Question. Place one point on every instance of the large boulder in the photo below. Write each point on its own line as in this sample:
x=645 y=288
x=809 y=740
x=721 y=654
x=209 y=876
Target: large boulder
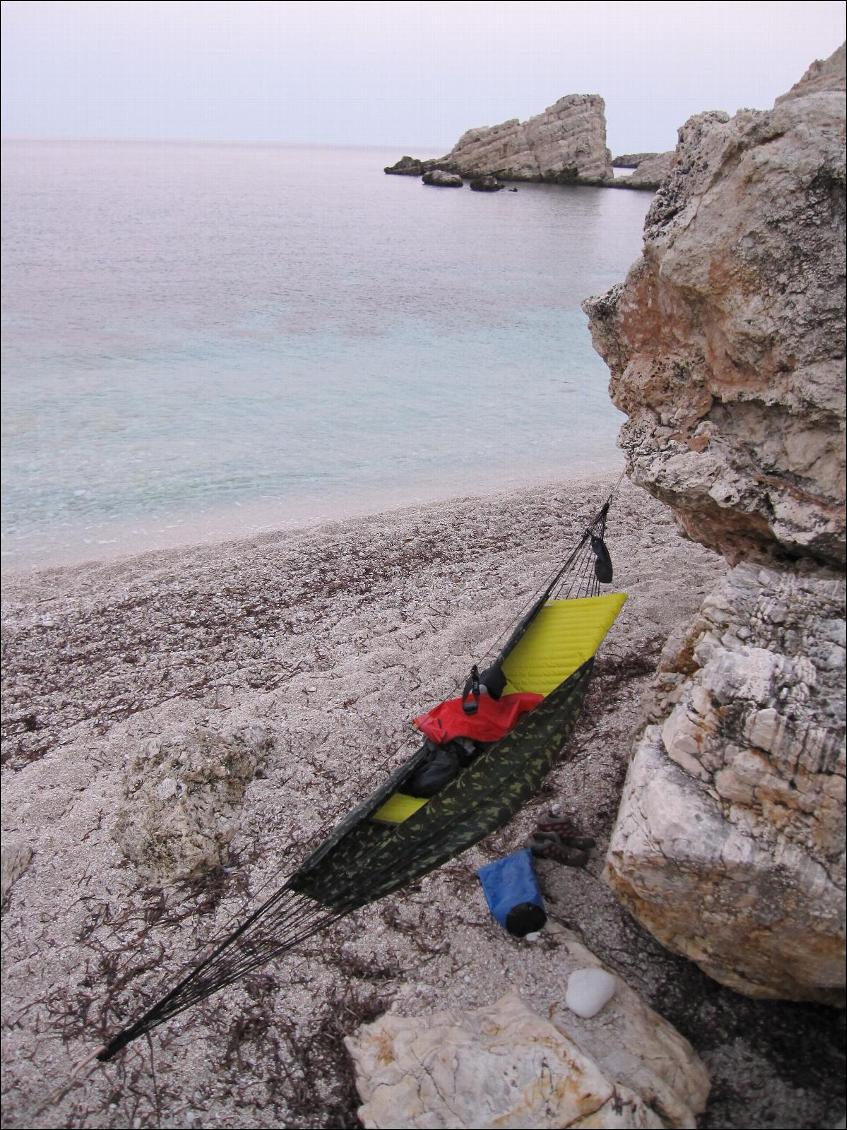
x=564 y=144
x=726 y=341
x=488 y=183
x=407 y=167
x=504 y=1065
x=650 y=172
x=630 y=160
x=726 y=350
x=729 y=839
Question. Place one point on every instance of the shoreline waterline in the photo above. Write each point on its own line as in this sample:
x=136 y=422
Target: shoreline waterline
x=244 y=521
x=195 y=335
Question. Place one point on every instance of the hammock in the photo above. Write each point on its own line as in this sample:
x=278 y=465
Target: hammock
x=393 y=837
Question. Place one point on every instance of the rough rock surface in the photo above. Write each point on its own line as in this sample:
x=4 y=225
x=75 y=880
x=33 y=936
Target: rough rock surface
x=441 y=178
x=650 y=172
x=503 y=1065
x=488 y=183
x=628 y=160
x=408 y=167
x=726 y=350
x=566 y=143
x=183 y=796
x=725 y=342
x=822 y=75
x=729 y=841
x=15 y=859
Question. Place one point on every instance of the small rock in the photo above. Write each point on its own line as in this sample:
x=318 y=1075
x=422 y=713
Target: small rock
x=589 y=990
x=16 y=859
x=182 y=798
x=488 y=183
x=440 y=179
x=166 y=788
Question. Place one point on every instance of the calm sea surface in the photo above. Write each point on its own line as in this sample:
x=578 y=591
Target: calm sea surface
x=201 y=340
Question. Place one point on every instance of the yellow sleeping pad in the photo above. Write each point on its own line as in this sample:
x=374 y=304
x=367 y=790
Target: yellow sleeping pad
x=563 y=635
x=398 y=808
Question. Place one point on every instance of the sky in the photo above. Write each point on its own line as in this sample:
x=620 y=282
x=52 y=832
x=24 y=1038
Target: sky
x=402 y=74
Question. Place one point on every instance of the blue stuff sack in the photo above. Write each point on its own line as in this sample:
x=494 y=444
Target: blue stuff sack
x=512 y=892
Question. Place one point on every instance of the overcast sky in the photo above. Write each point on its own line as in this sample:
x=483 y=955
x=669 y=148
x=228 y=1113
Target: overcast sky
x=409 y=75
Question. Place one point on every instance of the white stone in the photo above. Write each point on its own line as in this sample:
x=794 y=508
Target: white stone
x=589 y=990
x=166 y=788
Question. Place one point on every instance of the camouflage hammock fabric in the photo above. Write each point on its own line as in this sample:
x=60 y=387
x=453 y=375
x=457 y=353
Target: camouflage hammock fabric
x=366 y=858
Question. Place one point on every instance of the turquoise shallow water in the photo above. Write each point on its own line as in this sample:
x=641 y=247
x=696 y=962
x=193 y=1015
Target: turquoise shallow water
x=193 y=331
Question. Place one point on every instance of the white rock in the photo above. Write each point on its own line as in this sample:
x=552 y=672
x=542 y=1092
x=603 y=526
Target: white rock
x=166 y=788
x=505 y=1066
x=501 y=1066
x=738 y=797
x=589 y=990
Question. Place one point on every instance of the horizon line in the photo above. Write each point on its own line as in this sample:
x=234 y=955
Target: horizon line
x=77 y=140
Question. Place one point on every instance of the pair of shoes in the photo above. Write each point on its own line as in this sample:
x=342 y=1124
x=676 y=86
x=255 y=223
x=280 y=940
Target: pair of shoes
x=567 y=832
x=550 y=845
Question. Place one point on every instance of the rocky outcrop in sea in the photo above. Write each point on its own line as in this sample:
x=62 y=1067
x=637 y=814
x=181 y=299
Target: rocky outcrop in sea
x=631 y=160
x=439 y=178
x=726 y=350
x=563 y=145
x=649 y=172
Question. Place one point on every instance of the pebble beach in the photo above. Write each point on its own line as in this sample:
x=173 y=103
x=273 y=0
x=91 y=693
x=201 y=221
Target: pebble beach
x=330 y=639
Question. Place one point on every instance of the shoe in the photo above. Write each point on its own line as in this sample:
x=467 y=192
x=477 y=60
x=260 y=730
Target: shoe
x=547 y=845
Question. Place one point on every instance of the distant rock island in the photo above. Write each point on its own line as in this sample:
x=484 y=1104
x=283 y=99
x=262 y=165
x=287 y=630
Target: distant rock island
x=631 y=160
x=649 y=169
x=566 y=144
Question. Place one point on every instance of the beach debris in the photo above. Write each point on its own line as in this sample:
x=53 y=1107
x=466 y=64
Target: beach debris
x=513 y=895
x=15 y=859
x=560 y=838
x=589 y=991
x=183 y=794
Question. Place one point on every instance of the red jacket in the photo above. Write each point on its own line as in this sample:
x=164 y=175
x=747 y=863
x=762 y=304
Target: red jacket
x=492 y=721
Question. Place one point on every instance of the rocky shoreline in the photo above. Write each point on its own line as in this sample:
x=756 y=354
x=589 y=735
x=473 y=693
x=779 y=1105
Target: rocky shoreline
x=736 y=419
x=314 y=648
x=566 y=144
x=176 y=724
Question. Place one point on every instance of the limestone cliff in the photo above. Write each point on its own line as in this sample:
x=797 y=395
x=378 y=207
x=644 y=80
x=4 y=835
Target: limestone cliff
x=566 y=143
x=726 y=350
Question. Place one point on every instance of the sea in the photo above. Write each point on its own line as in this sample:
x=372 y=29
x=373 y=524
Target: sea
x=203 y=341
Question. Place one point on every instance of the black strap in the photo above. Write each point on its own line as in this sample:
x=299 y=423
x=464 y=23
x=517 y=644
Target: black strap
x=470 y=695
